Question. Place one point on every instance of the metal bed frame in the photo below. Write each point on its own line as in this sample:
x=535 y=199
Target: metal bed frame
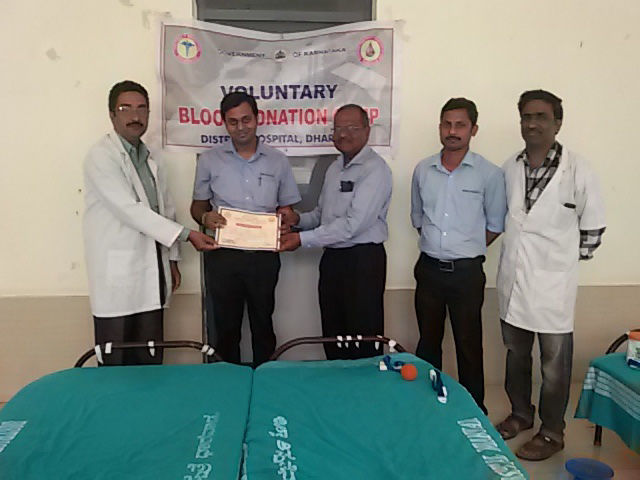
x=346 y=339
x=98 y=350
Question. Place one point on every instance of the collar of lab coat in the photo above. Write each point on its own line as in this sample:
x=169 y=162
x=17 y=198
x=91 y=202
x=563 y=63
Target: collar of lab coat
x=130 y=172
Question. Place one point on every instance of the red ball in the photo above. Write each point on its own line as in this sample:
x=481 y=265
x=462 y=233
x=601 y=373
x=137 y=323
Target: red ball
x=409 y=371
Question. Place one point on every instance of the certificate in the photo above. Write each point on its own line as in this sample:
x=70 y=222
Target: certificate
x=249 y=230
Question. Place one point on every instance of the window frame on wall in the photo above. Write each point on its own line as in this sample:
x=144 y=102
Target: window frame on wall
x=284 y=16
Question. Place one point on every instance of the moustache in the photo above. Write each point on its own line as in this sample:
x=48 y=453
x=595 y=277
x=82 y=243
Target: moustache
x=451 y=137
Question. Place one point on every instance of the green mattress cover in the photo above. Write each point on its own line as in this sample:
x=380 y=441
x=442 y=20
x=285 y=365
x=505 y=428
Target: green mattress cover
x=349 y=420
x=182 y=422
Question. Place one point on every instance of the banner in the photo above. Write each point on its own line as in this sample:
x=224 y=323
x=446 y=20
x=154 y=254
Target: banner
x=298 y=80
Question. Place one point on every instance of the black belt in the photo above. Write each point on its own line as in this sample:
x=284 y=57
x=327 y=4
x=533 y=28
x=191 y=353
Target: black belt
x=357 y=245
x=453 y=265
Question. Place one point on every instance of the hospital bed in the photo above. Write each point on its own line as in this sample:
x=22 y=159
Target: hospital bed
x=342 y=419
x=348 y=419
x=183 y=422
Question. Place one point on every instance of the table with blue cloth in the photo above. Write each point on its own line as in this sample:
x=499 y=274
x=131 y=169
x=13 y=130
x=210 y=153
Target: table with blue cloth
x=611 y=397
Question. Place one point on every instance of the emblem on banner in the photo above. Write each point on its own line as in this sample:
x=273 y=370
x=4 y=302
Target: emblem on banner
x=186 y=48
x=370 y=50
x=280 y=55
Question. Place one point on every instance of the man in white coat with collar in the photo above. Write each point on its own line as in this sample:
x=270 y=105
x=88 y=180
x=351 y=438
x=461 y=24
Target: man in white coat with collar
x=130 y=234
x=555 y=218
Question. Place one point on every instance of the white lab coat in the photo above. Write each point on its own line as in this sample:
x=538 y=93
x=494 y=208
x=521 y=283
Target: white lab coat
x=121 y=230
x=538 y=271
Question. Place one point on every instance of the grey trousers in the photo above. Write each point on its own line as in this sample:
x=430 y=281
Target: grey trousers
x=556 y=353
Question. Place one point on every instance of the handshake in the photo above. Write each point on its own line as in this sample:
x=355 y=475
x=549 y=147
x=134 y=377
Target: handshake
x=289 y=240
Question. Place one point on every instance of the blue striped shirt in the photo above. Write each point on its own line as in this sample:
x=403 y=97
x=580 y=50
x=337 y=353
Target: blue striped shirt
x=453 y=210
x=353 y=204
x=260 y=184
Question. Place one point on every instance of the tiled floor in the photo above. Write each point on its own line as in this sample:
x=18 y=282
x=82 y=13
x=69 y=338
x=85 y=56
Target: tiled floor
x=578 y=442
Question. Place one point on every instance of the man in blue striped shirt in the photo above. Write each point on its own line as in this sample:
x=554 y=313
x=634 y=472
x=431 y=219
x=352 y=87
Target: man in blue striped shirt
x=246 y=174
x=350 y=222
x=458 y=206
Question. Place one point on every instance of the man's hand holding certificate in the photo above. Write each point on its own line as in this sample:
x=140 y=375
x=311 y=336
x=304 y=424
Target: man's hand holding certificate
x=249 y=230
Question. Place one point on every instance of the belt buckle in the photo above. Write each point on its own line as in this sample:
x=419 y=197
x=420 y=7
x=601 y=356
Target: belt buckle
x=446 y=265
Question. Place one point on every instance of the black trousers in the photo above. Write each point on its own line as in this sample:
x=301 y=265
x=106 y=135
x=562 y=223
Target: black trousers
x=351 y=289
x=458 y=287
x=137 y=327
x=236 y=277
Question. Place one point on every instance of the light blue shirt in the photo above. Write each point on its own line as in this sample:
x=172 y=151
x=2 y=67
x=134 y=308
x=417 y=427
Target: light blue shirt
x=347 y=218
x=260 y=184
x=454 y=209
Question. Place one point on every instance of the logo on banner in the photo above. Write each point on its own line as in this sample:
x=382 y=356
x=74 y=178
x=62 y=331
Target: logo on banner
x=186 y=48
x=370 y=50
x=280 y=55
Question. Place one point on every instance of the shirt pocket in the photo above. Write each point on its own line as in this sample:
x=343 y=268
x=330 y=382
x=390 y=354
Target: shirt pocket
x=267 y=195
x=340 y=197
x=470 y=207
x=564 y=215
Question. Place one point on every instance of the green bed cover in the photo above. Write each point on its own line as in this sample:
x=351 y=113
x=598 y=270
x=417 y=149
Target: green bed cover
x=349 y=420
x=179 y=422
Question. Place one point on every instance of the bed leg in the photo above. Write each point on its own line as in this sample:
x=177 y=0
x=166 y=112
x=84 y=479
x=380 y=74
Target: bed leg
x=597 y=437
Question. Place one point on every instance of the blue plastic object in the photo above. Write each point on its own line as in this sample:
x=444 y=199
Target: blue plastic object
x=588 y=469
x=393 y=365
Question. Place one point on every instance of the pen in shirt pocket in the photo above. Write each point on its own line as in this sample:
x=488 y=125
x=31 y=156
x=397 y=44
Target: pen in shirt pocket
x=262 y=174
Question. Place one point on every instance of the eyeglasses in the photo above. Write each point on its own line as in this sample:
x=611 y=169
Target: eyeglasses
x=347 y=129
x=140 y=110
x=537 y=118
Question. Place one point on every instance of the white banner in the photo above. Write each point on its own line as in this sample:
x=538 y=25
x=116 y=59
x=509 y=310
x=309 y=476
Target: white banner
x=298 y=80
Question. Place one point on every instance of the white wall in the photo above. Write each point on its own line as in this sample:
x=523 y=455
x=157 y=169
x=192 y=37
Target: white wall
x=60 y=59
x=585 y=51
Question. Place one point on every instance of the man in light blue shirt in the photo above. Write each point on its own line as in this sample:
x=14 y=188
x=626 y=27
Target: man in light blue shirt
x=458 y=205
x=350 y=222
x=248 y=175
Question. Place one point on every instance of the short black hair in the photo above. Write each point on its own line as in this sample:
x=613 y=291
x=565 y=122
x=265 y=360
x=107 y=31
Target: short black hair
x=125 y=86
x=363 y=112
x=458 y=103
x=548 y=97
x=234 y=99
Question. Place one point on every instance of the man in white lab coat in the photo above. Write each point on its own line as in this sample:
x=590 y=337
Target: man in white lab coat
x=130 y=233
x=555 y=218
